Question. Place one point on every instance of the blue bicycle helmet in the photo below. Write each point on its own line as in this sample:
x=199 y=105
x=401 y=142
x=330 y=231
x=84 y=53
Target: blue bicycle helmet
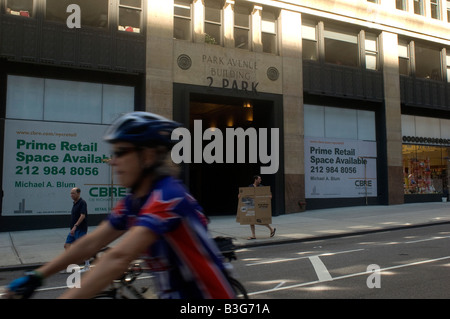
x=143 y=129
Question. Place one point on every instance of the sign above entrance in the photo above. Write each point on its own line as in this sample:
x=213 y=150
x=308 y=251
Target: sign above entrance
x=234 y=69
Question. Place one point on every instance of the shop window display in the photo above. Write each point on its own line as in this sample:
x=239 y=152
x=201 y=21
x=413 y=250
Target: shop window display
x=425 y=169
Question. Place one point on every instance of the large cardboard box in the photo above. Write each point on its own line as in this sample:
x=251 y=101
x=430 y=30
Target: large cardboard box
x=254 y=206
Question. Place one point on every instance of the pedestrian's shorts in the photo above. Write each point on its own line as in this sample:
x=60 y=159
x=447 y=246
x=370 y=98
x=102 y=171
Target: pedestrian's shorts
x=71 y=238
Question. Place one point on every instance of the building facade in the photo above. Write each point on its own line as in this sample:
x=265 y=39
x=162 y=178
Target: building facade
x=345 y=102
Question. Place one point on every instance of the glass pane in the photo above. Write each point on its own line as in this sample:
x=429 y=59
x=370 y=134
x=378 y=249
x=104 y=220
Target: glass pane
x=182 y=10
x=268 y=26
x=241 y=38
x=341 y=53
x=341 y=36
x=129 y=20
x=309 y=32
x=242 y=20
x=366 y=125
x=23 y=92
x=309 y=50
x=55 y=10
x=213 y=14
x=130 y=3
x=314 y=123
x=403 y=50
x=182 y=29
x=371 y=62
x=371 y=43
x=428 y=63
x=418 y=7
x=22 y=8
x=400 y=4
x=212 y=33
x=434 y=9
x=117 y=100
x=424 y=169
x=403 y=66
x=341 y=123
x=269 y=43
x=77 y=101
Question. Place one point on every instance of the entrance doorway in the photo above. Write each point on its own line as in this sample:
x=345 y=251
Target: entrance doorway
x=216 y=185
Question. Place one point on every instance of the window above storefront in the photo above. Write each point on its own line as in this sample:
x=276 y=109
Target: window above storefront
x=31 y=98
x=94 y=13
x=23 y=8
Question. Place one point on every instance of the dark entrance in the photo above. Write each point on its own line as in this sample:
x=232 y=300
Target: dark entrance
x=216 y=185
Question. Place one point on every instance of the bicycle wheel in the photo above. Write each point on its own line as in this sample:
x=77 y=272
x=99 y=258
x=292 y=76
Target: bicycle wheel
x=106 y=294
x=238 y=288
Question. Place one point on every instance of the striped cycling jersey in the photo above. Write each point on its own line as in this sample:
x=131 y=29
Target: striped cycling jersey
x=185 y=260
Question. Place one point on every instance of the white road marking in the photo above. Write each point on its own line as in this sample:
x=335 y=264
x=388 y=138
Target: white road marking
x=347 y=276
x=321 y=270
x=273 y=261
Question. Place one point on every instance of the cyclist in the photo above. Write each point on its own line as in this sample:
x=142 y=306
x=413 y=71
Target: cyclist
x=158 y=217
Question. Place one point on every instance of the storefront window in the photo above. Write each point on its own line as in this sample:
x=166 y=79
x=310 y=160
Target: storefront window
x=22 y=8
x=425 y=169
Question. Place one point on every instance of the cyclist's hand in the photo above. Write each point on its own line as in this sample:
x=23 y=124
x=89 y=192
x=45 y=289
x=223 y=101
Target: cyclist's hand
x=23 y=288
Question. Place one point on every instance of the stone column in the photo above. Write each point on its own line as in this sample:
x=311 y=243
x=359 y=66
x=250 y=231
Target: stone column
x=159 y=74
x=392 y=104
x=291 y=51
x=228 y=24
x=256 y=29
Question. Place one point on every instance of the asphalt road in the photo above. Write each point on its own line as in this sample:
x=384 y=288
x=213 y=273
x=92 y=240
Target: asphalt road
x=410 y=263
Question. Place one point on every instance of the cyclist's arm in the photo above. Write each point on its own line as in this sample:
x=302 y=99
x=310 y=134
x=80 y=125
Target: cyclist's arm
x=82 y=249
x=114 y=262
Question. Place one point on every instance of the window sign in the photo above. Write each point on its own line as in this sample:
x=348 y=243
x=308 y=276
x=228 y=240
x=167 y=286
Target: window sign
x=44 y=160
x=340 y=168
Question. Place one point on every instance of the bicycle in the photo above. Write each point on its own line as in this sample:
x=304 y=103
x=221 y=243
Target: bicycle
x=124 y=287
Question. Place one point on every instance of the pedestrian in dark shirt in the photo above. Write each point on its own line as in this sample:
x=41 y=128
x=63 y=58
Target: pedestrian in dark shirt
x=78 y=221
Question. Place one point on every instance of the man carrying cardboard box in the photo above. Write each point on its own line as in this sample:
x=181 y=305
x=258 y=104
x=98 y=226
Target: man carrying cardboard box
x=255 y=206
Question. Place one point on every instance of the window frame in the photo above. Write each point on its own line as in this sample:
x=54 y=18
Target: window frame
x=435 y=9
x=214 y=23
x=368 y=52
x=419 y=7
x=406 y=58
x=245 y=11
x=127 y=29
x=315 y=41
x=22 y=13
x=181 y=4
x=346 y=33
x=274 y=34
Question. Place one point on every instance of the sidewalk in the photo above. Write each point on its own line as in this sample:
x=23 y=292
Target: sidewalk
x=24 y=249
